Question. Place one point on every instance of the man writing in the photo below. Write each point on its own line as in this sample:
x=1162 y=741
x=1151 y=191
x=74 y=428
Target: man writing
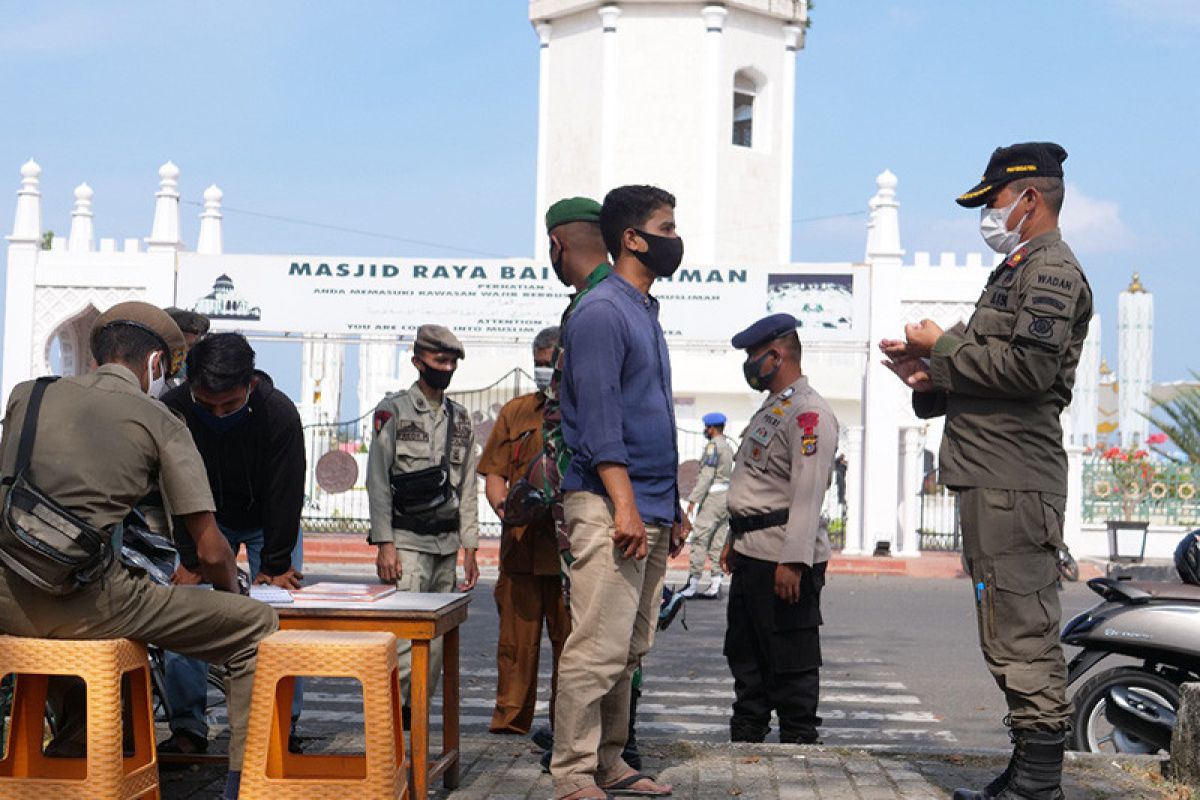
x=1002 y=383
x=251 y=440
x=621 y=493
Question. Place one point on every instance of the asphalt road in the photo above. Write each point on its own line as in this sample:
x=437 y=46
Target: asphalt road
x=902 y=668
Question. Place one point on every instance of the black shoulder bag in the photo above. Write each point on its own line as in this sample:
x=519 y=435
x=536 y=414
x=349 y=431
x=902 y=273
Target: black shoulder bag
x=40 y=541
x=417 y=495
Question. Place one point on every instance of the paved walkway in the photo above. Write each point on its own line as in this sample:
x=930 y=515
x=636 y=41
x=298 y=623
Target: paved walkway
x=507 y=769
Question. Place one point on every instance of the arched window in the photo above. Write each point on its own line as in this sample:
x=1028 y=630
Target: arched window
x=745 y=90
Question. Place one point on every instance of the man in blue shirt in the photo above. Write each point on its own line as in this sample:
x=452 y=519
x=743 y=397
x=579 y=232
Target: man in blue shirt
x=621 y=493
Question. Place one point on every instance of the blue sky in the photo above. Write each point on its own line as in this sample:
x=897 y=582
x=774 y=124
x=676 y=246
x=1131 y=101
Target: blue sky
x=418 y=120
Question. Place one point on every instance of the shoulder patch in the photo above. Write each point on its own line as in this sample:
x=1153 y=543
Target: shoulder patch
x=808 y=421
x=381 y=419
x=808 y=444
x=1041 y=327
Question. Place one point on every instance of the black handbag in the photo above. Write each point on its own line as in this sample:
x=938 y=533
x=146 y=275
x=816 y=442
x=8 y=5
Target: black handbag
x=42 y=542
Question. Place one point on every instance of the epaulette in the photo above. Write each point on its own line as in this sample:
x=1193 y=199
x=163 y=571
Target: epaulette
x=1016 y=259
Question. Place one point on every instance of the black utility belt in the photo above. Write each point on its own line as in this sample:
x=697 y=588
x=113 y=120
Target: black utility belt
x=425 y=526
x=757 y=522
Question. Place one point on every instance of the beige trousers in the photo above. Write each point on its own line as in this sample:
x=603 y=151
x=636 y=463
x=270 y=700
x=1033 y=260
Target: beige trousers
x=217 y=627
x=423 y=572
x=614 y=614
x=708 y=538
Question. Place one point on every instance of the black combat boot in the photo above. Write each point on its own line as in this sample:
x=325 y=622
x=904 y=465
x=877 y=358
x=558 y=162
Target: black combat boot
x=1033 y=773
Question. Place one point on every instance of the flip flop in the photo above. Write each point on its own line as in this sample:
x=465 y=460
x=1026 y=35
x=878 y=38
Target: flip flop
x=624 y=787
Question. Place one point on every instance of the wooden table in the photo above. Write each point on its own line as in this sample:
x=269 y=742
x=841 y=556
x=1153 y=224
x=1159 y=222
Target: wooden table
x=421 y=618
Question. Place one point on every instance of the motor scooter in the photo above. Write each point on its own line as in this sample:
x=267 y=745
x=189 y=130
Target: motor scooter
x=1131 y=708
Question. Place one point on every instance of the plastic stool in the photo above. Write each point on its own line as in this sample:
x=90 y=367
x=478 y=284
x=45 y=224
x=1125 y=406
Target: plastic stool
x=27 y=774
x=271 y=772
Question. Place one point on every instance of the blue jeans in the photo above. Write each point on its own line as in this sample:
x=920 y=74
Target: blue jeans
x=186 y=678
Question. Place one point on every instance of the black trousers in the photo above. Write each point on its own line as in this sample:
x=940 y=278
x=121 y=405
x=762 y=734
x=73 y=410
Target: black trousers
x=774 y=652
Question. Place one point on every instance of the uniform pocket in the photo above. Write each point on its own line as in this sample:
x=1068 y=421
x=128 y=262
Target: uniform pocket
x=1024 y=573
x=990 y=322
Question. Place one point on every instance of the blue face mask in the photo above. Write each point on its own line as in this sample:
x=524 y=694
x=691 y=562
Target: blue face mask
x=221 y=424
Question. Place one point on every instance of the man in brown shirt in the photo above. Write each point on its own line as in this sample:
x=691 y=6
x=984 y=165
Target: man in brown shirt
x=529 y=588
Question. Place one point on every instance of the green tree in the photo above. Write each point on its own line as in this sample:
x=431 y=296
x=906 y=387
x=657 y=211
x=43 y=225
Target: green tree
x=1179 y=419
x=47 y=238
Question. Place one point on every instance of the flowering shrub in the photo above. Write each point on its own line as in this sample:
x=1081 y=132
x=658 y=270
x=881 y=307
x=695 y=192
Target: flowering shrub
x=1133 y=472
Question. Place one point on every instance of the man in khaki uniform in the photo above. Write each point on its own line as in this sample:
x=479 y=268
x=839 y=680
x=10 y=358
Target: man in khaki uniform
x=101 y=445
x=712 y=524
x=1002 y=383
x=529 y=588
x=418 y=520
x=778 y=549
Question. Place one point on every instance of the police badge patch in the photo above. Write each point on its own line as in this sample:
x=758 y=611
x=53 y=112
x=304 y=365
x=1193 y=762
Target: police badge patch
x=808 y=422
x=1041 y=327
x=808 y=444
x=381 y=419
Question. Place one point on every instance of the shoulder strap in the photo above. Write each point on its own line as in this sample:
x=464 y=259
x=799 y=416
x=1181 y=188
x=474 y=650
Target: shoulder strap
x=29 y=427
x=450 y=415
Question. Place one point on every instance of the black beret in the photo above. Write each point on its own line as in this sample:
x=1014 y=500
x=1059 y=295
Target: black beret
x=767 y=329
x=1008 y=164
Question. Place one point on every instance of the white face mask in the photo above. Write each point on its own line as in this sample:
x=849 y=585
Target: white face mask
x=542 y=377
x=159 y=383
x=993 y=226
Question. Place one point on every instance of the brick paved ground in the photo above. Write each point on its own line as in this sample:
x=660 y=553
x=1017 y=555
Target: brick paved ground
x=507 y=769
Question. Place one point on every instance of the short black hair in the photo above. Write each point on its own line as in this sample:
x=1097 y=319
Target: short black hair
x=791 y=343
x=220 y=362
x=629 y=207
x=127 y=344
x=1052 y=189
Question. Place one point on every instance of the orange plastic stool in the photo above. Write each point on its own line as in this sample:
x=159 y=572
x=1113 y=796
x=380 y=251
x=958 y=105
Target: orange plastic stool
x=27 y=774
x=271 y=772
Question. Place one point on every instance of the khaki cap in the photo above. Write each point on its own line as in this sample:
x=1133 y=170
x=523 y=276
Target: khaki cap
x=151 y=319
x=438 y=338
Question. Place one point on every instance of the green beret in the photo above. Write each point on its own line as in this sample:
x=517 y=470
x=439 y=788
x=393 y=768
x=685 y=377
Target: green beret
x=572 y=209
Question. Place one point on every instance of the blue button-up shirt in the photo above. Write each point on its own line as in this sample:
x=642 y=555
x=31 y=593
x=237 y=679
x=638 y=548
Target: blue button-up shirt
x=617 y=405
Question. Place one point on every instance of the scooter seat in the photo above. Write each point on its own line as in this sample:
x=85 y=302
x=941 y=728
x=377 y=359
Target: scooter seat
x=1169 y=591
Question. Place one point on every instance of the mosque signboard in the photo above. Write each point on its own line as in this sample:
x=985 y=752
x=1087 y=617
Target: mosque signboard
x=500 y=300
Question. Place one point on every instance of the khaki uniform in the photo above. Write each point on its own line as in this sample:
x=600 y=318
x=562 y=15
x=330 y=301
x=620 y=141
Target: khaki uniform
x=785 y=464
x=711 y=527
x=102 y=445
x=1002 y=385
x=410 y=435
x=529 y=589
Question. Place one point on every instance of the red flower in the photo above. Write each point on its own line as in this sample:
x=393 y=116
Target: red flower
x=1156 y=438
x=1113 y=452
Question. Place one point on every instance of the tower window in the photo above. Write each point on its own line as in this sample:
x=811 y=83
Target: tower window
x=745 y=89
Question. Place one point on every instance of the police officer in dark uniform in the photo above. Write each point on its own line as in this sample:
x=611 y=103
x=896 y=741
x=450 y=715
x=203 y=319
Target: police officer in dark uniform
x=1002 y=383
x=778 y=549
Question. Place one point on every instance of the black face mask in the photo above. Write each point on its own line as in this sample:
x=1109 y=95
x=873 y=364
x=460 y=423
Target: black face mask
x=557 y=264
x=753 y=366
x=436 y=378
x=664 y=256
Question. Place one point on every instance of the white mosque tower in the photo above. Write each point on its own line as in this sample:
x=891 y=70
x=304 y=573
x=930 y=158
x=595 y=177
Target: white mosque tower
x=1135 y=342
x=695 y=97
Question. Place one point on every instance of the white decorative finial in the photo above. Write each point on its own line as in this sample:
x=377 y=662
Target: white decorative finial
x=27 y=224
x=544 y=29
x=82 y=234
x=210 y=241
x=164 y=234
x=883 y=230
